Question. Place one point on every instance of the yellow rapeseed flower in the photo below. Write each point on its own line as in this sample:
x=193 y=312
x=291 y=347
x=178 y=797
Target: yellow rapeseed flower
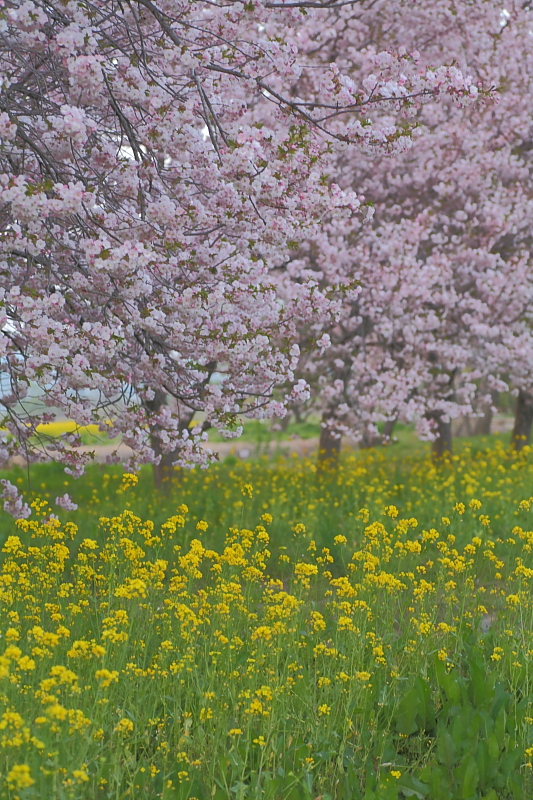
x=124 y=726
x=106 y=677
x=19 y=777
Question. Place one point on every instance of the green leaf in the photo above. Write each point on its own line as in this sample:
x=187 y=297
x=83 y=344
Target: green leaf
x=475 y=723
x=481 y=686
x=439 y=785
x=446 y=750
x=448 y=681
x=412 y=787
x=387 y=788
x=406 y=713
x=499 y=727
x=510 y=761
x=426 y=711
x=501 y=700
x=271 y=788
x=494 y=747
x=468 y=775
x=459 y=728
x=483 y=763
x=516 y=785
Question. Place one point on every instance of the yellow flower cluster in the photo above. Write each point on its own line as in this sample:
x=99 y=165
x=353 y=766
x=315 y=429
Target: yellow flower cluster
x=135 y=657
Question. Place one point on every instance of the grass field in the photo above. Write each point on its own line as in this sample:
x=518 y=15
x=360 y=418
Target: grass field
x=264 y=632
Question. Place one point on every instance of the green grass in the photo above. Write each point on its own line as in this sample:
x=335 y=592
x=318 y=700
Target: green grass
x=288 y=487
x=259 y=432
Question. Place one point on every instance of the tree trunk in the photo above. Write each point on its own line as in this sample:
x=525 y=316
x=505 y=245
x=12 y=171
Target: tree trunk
x=388 y=429
x=368 y=441
x=329 y=448
x=463 y=427
x=523 y=421
x=442 y=446
x=483 y=424
x=281 y=424
x=164 y=473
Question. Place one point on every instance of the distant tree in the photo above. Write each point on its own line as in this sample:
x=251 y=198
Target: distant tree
x=442 y=318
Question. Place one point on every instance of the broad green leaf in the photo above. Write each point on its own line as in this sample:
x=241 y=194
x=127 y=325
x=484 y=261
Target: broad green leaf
x=511 y=761
x=407 y=712
x=425 y=706
x=501 y=699
x=494 y=746
x=483 y=763
x=446 y=750
x=468 y=776
x=412 y=787
x=480 y=688
x=499 y=727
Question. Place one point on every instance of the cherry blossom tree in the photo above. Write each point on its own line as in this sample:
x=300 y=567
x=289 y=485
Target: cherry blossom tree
x=443 y=316
x=159 y=161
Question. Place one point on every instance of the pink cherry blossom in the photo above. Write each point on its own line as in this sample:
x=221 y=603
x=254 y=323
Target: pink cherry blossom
x=66 y=503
